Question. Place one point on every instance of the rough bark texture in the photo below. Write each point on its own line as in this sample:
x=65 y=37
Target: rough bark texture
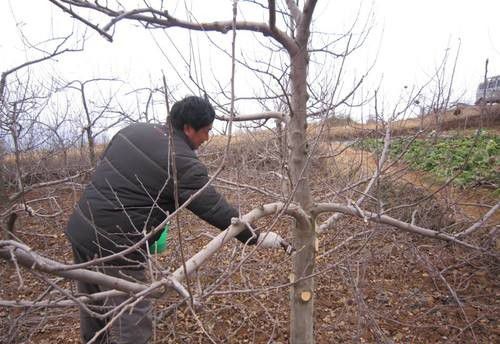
x=88 y=130
x=302 y=292
x=302 y=310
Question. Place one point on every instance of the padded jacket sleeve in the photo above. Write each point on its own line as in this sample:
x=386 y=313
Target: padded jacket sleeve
x=209 y=205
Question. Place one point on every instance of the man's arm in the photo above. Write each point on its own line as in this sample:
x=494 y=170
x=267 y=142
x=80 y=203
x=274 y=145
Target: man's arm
x=210 y=205
x=213 y=207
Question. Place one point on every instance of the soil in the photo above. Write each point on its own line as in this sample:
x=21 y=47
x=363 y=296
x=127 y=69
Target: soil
x=375 y=284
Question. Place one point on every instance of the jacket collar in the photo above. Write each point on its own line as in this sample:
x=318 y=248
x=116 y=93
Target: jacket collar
x=181 y=135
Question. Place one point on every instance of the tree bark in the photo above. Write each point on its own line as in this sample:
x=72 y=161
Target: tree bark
x=88 y=129
x=302 y=292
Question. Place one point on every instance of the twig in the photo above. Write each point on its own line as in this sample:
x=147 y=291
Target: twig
x=83 y=20
x=479 y=223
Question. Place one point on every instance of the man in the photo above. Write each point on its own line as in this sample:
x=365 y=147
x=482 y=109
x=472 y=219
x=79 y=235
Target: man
x=130 y=193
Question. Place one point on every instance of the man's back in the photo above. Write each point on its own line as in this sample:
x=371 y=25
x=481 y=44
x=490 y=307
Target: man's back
x=129 y=191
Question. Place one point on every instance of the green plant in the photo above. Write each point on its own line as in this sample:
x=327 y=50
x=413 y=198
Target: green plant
x=474 y=159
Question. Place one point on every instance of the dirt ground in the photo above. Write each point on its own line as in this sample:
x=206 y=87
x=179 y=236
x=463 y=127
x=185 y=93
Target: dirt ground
x=374 y=284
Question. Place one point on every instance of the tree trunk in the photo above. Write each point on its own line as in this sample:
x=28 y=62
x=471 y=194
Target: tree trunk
x=301 y=293
x=90 y=139
x=88 y=129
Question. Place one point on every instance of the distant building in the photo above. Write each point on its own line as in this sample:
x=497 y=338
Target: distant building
x=489 y=91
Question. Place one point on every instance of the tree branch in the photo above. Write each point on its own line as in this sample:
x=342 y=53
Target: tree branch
x=328 y=224
x=294 y=10
x=165 y=20
x=83 y=20
x=479 y=223
x=236 y=227
x=46 y=184
x=254 y=117
x=385 y=219
x=28 y=258
x=272 y=15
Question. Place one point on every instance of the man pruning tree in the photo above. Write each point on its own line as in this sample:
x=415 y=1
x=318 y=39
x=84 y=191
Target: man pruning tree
x=130 y=194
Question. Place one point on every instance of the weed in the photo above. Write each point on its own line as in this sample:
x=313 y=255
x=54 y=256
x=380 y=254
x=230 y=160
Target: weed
x=474 y=158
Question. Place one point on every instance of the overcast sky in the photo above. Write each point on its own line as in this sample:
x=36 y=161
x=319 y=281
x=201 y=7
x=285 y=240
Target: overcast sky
x=407 y=42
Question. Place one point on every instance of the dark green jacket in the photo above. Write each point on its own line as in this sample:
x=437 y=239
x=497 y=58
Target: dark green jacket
x=132 y=189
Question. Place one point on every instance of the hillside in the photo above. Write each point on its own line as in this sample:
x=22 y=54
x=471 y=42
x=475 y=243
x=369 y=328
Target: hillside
x=461 y=119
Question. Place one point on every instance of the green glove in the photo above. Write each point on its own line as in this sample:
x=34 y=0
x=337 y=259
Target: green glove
x=160 y=245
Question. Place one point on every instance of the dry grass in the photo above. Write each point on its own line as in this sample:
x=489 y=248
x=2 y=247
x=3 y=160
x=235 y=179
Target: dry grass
x=464 y=119
x=461 y=118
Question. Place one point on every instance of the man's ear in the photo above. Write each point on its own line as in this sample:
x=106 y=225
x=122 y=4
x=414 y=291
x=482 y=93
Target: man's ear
x=187 y=129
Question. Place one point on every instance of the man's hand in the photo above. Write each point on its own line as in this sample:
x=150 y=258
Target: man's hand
x=274 y=240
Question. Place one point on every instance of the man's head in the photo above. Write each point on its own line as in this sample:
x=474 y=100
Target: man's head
x=194 y=116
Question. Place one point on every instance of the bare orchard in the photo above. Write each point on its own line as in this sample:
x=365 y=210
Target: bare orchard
x=374 y=283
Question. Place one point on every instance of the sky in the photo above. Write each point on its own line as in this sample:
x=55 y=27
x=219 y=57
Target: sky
x=407 y=43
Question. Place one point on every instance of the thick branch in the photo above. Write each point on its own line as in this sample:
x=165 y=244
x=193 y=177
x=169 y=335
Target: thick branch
x=32 y=260
x=307 y=13
x=26 y=257
x=238 y=225
x=165 y=20
x=384 y=219
x=254 y=117
x=294 y=10
x=305 y=20
x=272 y=14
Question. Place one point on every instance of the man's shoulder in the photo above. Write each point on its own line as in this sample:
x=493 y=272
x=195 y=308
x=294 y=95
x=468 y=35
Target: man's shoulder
x=145 y=127
x=146 y=133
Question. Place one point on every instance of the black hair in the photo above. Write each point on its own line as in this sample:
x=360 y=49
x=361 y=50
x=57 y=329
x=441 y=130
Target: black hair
x=194 y=111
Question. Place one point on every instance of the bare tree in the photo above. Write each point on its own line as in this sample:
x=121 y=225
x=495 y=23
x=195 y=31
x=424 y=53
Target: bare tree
x=294 y=105
x=22 y=101
x=97 y=118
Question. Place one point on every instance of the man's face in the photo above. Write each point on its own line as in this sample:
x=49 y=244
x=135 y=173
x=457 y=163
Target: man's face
x=197 y=137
